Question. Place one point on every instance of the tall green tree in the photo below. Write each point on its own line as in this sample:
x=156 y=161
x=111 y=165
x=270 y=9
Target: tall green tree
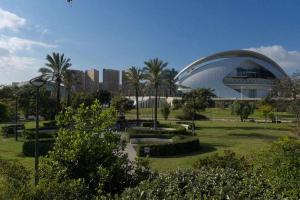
x=56 y=67
x=134 y=76
x=154 y=74
x=169 y=75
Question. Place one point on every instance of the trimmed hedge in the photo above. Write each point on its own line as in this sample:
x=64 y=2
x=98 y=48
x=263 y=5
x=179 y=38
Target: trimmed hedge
x=184 y=146
x=45 y=145
x=31 y=135
x=50 y=124
x=138 y=135
x=149 y=124
x=10 y=129
x=176 y=130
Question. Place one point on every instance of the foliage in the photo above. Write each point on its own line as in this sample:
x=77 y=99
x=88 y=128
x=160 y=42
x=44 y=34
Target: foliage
x=86 y=151
x=71 y=78
x=206 y=183
x=45 y=145
x=5 y=113
x=228 y=160
x=103 y=96
x=30 y=135
x=187 y=145
x=176 y=130
x=198 y=99
x=154 y=74
x=55 y=69
x=281 y=164
x=14 y=180
x=165 y=110
x=187 y=114
x=177 y=103
x=134 y=76
x=266 y=110
x=243 y=109
x=8 y=130
x=169 y=80
x=81 y=98
x=121 y=104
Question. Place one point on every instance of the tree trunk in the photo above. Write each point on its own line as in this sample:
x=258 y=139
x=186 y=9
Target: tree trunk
x=137 y=106
x=155 y=107
x=69 y=98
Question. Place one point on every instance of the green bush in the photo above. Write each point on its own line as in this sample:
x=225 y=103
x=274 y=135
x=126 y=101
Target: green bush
x=14 y=180
x=10 y=129
x=184 y=146
x=45 y=145
x=138 y=135
x=228 y=160
x=149 y=124
x=50 y=124
x=188 y=115
x=31 y=135
x=176 y=130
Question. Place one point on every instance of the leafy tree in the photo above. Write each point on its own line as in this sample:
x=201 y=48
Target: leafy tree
x=121 y=104
x=266 y=110
x=165 y=110
x=55 y=69
x=134 y=76
x=177 y=103
x=154 y=74
x=243 y=109
x=103 y=96
x=81 y=98
x=288 y=90
x=169 y=75
x=87 y=153
x=5 y=113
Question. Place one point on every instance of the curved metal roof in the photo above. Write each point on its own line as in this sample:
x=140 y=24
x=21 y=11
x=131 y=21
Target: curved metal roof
x=229 y=54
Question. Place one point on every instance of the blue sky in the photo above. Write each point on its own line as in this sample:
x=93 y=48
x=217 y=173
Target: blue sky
x=117 y=33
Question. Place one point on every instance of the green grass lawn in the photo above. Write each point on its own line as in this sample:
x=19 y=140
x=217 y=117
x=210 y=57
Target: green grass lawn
x=243 y=138
x=212 y=113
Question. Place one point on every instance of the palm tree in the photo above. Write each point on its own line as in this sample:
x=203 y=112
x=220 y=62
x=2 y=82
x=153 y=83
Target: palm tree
x=70 y=79
x=134 y=76
x=169 y=75
x=154 y=74
x=55 y=69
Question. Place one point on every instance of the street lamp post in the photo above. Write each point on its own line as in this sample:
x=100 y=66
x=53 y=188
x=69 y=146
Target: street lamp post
x=37 y=83
x=16 y=118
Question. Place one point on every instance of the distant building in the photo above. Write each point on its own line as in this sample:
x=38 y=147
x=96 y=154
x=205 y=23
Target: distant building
x=91 y=80
x=126 y=87
x=111 y=80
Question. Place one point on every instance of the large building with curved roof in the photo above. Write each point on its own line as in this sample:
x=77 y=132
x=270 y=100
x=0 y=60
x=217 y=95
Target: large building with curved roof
x=232 y=74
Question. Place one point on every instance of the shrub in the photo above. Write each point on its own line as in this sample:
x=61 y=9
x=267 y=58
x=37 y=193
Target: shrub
x=45 y=145
x=207 y=183
x=14 y=180
x=50 y=124
x=149 y=124
x=138 y=135
x=187 y=114
x=177 y=103
x=29 y=135
x=187 y=145
x=10 y=129
x=228 y=160
x=176 y=130
x=5 y=113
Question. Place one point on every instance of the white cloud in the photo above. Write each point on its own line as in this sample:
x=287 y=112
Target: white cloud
x=288 y=60
x=13 y=44
x=10 y=20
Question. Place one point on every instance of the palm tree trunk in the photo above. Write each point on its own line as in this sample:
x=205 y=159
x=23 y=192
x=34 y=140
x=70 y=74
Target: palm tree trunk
x=155 y=107
x=137 y=106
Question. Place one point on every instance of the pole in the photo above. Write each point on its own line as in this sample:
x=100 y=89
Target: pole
x=193 y=117
x=36 y=153
x=16 y=119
